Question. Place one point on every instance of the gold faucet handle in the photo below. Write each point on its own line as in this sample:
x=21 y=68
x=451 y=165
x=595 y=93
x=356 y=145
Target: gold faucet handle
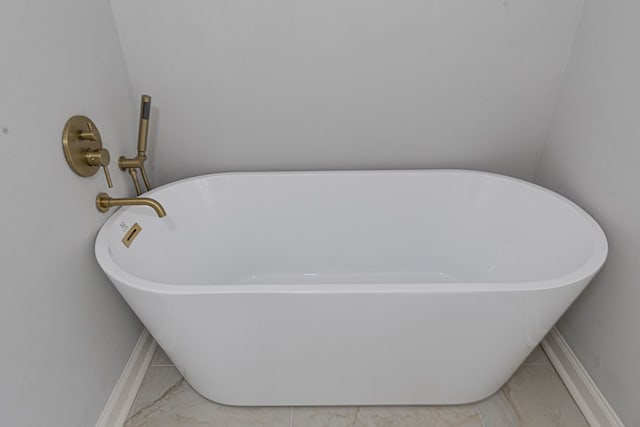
x=100 y=157
x=107 y=175
x=88 y=135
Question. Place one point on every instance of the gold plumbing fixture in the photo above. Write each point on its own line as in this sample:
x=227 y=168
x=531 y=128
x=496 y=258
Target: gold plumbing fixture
x=104 y=202
x=82 y=147
x=137 y=162
x=133 y=232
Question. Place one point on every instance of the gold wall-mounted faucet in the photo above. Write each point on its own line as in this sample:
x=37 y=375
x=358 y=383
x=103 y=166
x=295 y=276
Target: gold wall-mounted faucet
x=104 y=202
x=133 y=164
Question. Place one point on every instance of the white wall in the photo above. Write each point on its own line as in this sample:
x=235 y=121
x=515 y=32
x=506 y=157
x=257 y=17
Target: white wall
x=66 y=333
x=301 y=84
x=593 y=156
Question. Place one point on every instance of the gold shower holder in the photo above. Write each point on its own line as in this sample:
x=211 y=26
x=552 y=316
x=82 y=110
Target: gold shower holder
x=132 y=165
x=82 y=146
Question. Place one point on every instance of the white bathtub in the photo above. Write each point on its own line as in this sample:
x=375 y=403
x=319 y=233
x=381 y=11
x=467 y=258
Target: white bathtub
x=351 y=288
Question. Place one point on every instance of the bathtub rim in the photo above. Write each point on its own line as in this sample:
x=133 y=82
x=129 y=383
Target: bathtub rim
x=584 y=272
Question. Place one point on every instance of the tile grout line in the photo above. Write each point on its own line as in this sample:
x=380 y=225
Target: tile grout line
x=291 y=417
x=480 y=415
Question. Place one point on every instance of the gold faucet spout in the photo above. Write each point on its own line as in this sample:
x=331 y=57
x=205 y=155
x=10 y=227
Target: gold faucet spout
x=104 y=202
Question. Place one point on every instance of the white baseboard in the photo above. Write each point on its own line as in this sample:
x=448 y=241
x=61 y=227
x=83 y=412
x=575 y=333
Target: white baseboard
x=585 y=392
x=117 y=408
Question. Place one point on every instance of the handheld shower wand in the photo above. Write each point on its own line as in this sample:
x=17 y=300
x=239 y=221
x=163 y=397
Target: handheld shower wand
x=138 y=162
x=143 y=128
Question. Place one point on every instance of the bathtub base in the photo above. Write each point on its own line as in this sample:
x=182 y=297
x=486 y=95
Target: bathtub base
x=296 y=349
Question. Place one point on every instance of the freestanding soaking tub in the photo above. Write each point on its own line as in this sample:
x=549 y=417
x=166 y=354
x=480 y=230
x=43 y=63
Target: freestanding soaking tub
x=351 y=288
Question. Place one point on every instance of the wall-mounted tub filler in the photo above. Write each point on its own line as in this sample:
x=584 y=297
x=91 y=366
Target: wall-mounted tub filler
x=104 y=202
x=82 y=146
x=137 y=162
x=352 y=288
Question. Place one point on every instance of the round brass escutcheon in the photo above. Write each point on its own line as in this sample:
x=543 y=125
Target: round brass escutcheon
x=102 y=202
x=81 y=143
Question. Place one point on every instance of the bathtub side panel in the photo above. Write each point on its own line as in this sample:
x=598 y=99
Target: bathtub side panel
x=349 y=348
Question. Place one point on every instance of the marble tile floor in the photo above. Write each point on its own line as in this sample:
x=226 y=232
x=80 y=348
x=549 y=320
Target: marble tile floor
x=534 y=397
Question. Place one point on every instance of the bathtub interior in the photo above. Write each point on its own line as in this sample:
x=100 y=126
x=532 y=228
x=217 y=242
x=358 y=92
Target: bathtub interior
x=355 y=227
